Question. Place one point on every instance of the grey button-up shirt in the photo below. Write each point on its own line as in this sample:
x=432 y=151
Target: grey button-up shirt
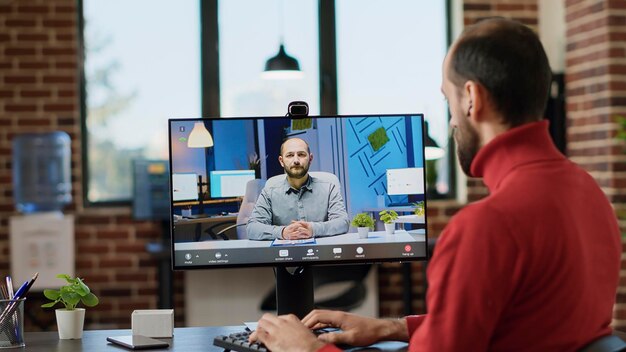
x=317 y=201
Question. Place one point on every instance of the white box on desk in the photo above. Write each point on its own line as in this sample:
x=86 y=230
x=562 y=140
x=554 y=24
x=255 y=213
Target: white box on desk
x=153 y=322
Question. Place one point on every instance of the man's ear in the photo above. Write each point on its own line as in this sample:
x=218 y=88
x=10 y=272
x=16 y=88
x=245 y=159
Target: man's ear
x=474 y=99
x=280 y=160
x=310 y=158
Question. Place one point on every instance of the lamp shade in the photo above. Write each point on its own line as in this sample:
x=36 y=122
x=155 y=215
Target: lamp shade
x=282 y=66
x=199 y=137
x=432 y=151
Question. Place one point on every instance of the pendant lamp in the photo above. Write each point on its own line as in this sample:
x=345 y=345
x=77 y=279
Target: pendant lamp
x=199 y=137
x=282 y=65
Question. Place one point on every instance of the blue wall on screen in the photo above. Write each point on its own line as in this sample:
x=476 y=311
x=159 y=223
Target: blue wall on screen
x=368 y=168
x=418 y=148
x=234 y=141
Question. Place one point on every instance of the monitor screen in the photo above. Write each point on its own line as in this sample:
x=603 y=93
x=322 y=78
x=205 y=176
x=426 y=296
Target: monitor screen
x=359 y=150
x=229 y=183
x=184 y=186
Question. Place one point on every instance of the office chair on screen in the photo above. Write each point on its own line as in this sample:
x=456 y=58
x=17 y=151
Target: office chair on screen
x=253 y=189
x=354 y=275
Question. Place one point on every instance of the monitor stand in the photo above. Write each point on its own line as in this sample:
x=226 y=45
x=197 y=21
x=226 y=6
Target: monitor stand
x=294 y=290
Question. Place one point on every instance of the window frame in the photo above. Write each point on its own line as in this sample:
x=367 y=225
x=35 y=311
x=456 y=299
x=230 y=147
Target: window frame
x=210 y=84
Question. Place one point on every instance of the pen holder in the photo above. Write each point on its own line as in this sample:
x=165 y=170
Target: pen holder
x=12 y=323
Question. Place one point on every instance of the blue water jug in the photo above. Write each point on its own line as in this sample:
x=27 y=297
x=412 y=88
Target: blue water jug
x=41 y=171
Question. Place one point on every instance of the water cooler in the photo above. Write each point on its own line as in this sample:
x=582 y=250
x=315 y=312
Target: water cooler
x=41 y=237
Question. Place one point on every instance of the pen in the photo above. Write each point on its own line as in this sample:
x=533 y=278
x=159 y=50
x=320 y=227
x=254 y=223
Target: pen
x=10 y=287
x=23 y=290
x=20 y=290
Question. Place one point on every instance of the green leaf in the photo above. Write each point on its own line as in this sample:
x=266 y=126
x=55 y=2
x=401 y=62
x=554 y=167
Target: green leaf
x=66 y=278
x=70 y=299
x=66 y=290
x=52 y=295
x=90 y=300
x=49 y=304
x=82 y=289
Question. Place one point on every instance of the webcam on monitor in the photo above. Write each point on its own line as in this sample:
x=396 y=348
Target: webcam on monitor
x=298 y=109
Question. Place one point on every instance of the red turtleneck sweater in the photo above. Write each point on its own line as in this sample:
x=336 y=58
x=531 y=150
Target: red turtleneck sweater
x=532 y=267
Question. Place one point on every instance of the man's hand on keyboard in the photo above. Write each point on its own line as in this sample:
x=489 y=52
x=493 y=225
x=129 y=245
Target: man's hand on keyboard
x=355 y=330
x=285 y=333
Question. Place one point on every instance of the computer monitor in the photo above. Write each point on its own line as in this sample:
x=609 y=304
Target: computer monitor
x=184 y=187
x=229 y=183
x=359 y=150
x=151 y=189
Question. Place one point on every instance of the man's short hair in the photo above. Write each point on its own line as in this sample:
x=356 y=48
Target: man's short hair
x=507 y=58
x=308 y=150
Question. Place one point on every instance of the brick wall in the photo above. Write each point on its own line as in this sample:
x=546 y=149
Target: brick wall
x=39 y=92
x=596 y=93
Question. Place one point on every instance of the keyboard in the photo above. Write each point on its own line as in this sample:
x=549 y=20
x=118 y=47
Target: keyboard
x=239 y=341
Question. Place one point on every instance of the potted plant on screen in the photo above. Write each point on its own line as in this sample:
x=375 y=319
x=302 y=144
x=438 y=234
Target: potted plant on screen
x=419 y=208
x=70 y=320
x=363 y=223
x=387 y=217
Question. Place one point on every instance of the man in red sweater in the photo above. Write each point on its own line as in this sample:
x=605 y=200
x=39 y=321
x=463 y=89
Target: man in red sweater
x=532 y=267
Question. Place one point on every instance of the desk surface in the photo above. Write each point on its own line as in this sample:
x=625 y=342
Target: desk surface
x=185 y=339
x=206 y=219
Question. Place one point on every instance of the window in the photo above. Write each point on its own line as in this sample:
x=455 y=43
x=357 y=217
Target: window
x=250 y=33
x=136 y=77
x=389 y=58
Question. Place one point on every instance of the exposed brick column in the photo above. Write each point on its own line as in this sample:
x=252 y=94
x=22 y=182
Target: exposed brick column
x=596 y=92
x=524 y=11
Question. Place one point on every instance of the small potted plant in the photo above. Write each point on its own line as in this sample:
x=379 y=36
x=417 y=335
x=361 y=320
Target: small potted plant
x=387 y=217
x=70 y=319
x=363 y=222
x=419 y=208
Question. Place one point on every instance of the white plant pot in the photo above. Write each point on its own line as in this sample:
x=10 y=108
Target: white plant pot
x=70 y=323
x=363 y=231
x=390 y=228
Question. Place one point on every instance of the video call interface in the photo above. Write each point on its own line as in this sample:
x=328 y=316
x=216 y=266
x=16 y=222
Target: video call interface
x=378 y=160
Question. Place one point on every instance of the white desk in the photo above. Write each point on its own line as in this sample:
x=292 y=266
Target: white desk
x=410 y=219
x=402 y=219
x=401 y=209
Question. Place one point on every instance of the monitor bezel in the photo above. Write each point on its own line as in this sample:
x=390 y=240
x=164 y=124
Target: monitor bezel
x=297 y=263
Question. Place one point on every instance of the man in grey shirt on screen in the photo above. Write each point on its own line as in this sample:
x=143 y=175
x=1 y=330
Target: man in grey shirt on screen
x=301 y=206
